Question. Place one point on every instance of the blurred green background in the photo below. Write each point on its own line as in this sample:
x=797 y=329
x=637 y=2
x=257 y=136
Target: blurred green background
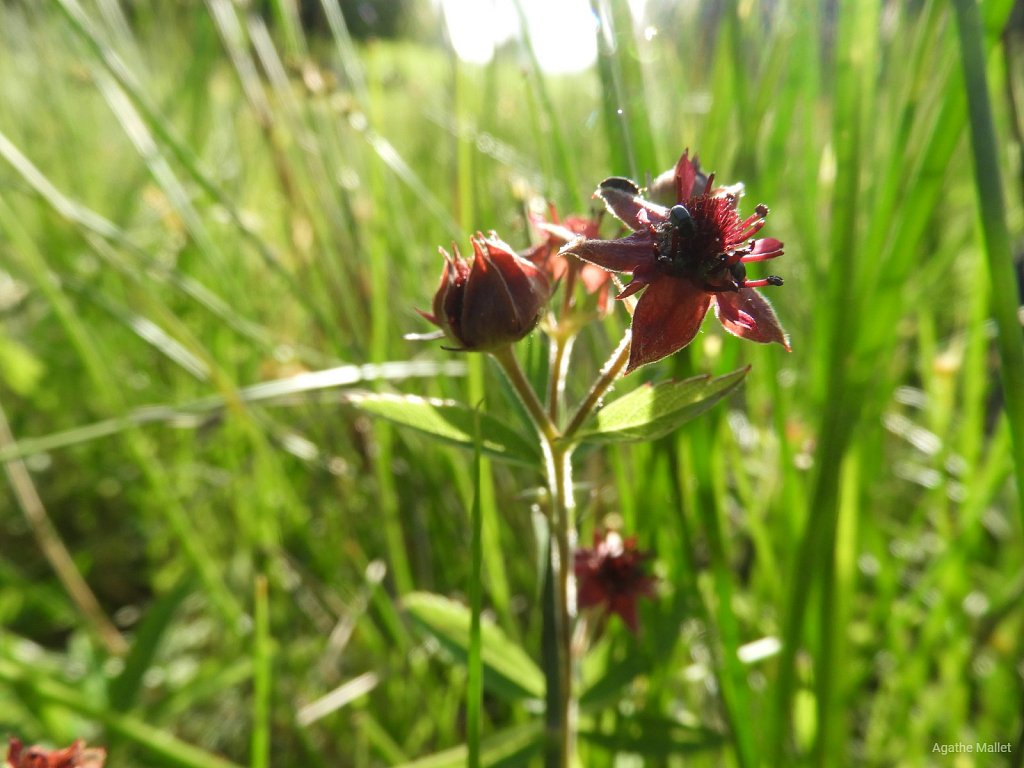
x=197 y=198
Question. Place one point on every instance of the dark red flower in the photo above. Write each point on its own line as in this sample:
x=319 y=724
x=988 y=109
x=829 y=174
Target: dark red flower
x=611 y=575
x=75 y=756
x=495 y=300
x=687 y=257
x=547 y=255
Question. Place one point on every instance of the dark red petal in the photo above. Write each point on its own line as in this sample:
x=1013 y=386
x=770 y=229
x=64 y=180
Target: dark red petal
x=749 y=315
x=590 y=592
x=626 y=207
x=636 y=285
x=427 y=316
x=685 y=175
x=663 y=188
x=527 y=282
x=447 y=304
x=625 y=606
x=667 y=317
x=502 y=296
x=766 y=247
x=624 y=255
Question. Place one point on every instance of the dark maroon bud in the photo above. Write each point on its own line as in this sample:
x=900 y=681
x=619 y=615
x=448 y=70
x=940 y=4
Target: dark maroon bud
x=496 y=300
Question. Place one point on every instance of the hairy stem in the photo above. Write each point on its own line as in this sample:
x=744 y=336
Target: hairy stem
x=564 y=593
x=510 y=365
x=560 y=719
x=609 y=374
x=561 y=350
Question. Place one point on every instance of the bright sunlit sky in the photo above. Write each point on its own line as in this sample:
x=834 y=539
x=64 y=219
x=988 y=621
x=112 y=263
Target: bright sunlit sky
x=563 y=31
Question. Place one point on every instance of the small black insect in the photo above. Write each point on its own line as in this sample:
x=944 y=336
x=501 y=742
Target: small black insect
x=620 y=183
x=738 y=271
x=681 y=220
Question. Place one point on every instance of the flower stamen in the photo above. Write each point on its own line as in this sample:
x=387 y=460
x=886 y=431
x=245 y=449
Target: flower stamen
x=770 y=280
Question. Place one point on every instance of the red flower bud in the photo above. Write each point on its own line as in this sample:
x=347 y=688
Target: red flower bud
x=496 y=300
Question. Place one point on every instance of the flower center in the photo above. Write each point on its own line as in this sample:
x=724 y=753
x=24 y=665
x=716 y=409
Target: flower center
x=693 y=243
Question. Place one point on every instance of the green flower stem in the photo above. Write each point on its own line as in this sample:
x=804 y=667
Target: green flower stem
x=561 y=715
x=609 y=374
x=510 y=365
x=557 y=450
x=562 y=337
x=564 y=526
x=561 y=350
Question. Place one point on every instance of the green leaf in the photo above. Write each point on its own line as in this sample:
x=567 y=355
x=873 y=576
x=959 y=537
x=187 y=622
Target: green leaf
x=451 y=422
x=507 y=748
x=156 y=623
x=508 y=671
x=654 y=411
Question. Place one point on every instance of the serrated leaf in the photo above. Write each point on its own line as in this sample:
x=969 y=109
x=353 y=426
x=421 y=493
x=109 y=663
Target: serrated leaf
x=508 y=671
x=451 y=422
x=653 y=411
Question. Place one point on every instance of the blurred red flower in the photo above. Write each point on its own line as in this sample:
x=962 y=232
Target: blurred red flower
x=547 y=255
x=611 y=575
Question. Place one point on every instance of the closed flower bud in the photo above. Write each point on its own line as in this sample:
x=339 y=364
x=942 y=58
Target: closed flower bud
x=493 y=301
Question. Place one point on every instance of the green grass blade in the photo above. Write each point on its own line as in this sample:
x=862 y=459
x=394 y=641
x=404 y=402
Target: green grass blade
x=992 y=209
x=474 y=678
x=131 y=104
x=564 y=160
x=857 y=34
x=150 y=634
x=730 y=672
x=623 y=93
x=262 y=680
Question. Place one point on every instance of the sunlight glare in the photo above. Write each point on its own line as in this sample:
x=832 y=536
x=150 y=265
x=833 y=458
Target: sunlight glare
x=562 y=31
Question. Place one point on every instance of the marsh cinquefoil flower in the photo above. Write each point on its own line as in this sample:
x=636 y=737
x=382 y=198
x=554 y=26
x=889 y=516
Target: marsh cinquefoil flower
x=547 y=254
x=492 y=301
x=686 y=258
x=611 y=575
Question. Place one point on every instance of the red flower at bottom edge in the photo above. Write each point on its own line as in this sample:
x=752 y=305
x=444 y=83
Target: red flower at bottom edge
x=75 y=756
x=687 y=258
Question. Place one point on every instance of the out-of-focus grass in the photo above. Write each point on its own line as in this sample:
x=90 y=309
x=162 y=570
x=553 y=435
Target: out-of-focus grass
x=195 y=200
